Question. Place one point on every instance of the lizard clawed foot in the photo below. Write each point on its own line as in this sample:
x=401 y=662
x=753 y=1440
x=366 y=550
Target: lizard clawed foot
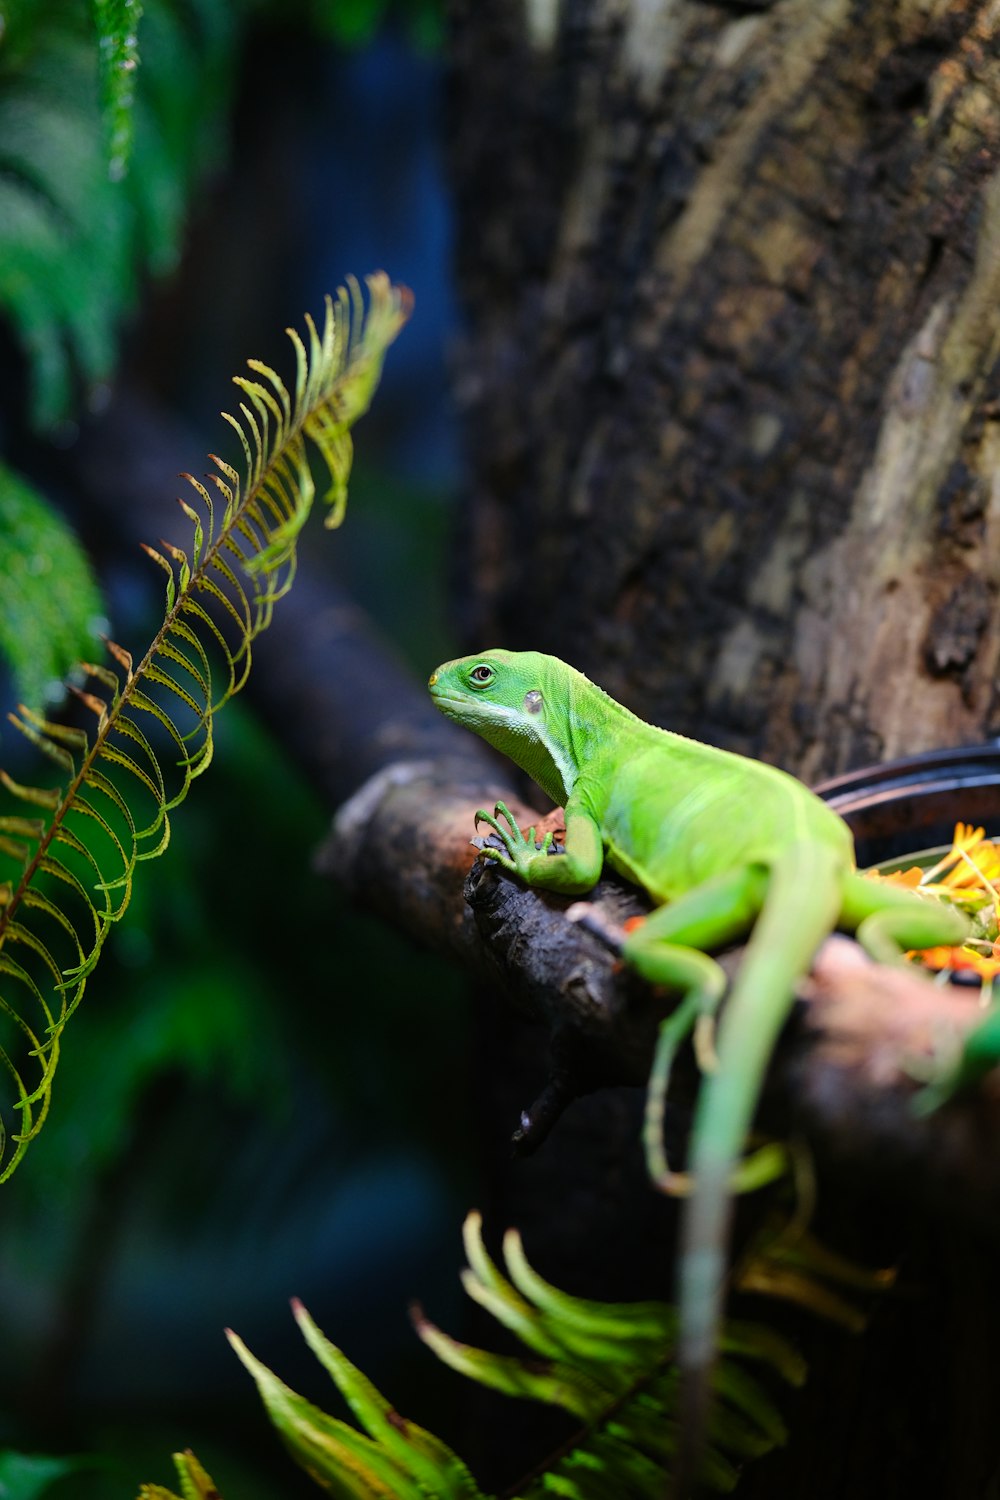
x=588 y=916
x=507 y=846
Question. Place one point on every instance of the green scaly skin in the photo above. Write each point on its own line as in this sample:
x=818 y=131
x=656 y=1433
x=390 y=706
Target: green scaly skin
x=725 y=846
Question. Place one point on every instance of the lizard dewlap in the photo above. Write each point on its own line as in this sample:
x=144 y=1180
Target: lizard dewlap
x=727 y=847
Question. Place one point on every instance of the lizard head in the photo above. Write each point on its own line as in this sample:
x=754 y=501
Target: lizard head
x=520 y=702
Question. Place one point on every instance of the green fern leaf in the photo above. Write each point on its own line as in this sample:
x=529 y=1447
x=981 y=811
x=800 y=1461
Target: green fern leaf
x=117 y=24
x=64 y=227
x=72 y=238
x=608 y=1364
x=422 y=1455
x=614 y=1371
x=341 y=1459
x=51 y=611
x=789 y=1263
x=66 y=876
x=29 y=1476
x=196 y=1484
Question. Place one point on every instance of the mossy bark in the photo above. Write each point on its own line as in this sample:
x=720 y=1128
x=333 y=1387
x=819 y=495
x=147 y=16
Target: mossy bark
x=732 y=282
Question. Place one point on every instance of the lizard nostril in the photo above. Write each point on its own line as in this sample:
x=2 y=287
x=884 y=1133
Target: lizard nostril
x=432 y=679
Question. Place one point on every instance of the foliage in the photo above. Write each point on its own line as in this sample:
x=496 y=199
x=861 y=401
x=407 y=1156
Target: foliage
x=73 y=859
x=117 y=23
x=195 y=1483
x=75 y=231
x=75 y=240
x=51 y=611
x=609 y=1365
x=31 y=1476
x=96 y=174
x=355 y=22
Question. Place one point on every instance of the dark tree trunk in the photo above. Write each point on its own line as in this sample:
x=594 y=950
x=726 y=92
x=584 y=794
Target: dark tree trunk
x=733 y=292
x=730 y=378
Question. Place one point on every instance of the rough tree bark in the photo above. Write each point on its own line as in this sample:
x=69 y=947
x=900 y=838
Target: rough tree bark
x=733 y=287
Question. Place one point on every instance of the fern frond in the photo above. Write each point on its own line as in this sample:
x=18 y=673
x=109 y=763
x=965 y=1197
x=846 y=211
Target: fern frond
x=395 y=1460
x=787 y=1262
x=73 y=859
x=74 y=241
x=610 y=1365
x=44 y=630
x=117 y=22
x=196 y=1484
x=34 y=1475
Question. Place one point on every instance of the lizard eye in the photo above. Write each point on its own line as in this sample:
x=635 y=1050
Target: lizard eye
x=481 y=676
x=533 y=702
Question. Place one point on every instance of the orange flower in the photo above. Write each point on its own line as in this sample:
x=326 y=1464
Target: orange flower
x=971 y=864
x=971 y=861
x=987 y=967
x=969 y=870
x=911 y=877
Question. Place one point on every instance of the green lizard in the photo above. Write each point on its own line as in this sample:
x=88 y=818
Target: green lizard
x=725 y=846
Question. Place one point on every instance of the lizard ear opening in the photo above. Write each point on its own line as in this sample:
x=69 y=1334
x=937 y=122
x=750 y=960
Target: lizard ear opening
x=533 y=702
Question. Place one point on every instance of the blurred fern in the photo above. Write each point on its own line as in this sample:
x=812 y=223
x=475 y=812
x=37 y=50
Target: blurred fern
x=76 y=233
x=195 y=1483
x=31 y=1476
x=609 y=1365
x=72 y=851
x=51 y=611
x=354 y=22
x=117 y=23
x=75 y=240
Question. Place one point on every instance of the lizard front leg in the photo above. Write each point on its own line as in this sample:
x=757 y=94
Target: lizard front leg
x=572 y=870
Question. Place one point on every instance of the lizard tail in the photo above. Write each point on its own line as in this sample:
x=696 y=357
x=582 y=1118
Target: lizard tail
x=800 y=908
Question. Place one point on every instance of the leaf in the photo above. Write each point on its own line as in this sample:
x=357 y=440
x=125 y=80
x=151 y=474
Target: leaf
x=623 y=1388
x=423 y=1456
x=66 y=880
x=30 y=1476
x=338 y=1457
x=72 y=240
x=615 y=1372
x=51 y=610
x=795 y=1267
x=195 y=1483
x=354 y=23
x=556 y=1384
x=117 y=23
x=397 y=1459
